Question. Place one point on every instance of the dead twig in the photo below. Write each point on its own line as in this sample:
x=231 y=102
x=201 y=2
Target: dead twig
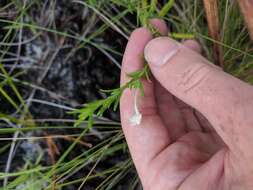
x=247 y=11
x=68 y=138
x=52 y=151
x=211 y=9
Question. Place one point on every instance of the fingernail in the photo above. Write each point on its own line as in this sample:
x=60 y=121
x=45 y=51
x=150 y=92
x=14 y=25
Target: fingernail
x=160 y=50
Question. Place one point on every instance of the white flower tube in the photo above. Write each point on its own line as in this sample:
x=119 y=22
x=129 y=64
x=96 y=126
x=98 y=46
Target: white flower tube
x=136 y=118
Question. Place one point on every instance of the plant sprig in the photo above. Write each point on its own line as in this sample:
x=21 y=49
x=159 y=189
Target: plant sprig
x=98 y=107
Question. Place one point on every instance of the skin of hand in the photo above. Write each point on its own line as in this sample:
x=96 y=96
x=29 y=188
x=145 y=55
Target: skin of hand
x=175 y=147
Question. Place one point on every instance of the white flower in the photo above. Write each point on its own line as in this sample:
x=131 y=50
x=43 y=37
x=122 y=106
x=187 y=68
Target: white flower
x=136 y=118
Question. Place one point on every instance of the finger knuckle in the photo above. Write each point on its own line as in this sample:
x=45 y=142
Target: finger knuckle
x=194 y=76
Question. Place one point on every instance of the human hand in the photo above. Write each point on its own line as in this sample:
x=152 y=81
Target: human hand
x=175 y=147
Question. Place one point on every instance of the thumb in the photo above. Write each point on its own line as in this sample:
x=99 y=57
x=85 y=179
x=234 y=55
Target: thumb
x=223 y=99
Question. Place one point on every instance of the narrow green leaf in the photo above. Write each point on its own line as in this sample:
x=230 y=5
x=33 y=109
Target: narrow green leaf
x=153 y=6
x=90 y=122
x=181 y=36
x=166 y=8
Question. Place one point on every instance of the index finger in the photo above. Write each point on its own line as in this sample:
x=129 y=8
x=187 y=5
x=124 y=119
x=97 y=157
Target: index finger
x=149 y=138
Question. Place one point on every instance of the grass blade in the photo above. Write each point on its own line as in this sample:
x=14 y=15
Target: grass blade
x=166 y=8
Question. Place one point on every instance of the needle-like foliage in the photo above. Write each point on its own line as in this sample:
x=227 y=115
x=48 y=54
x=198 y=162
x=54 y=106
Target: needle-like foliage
x=100 y=106
x=97 y=108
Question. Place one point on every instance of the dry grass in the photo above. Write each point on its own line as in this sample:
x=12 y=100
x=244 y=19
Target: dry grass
x=212 y=15
x=247 y=10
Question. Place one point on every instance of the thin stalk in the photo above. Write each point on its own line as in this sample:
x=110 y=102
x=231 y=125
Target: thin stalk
x=166 y=8
x=211 y=9
x=246 y=8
